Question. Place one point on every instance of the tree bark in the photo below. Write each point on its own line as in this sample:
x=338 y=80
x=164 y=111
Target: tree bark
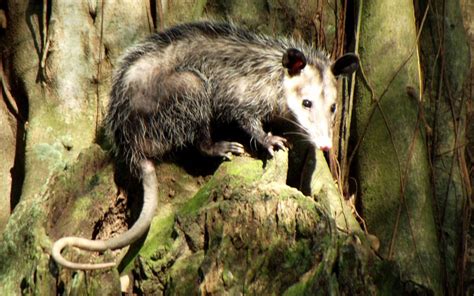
x=392 y=165
x=56 y=62
x=445 y=62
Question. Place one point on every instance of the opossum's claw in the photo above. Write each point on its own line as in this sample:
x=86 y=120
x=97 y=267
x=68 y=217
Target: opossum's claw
x=223 y=149
x=236 y=148
x=272 y=142
x=231 y=147
x=227 y=156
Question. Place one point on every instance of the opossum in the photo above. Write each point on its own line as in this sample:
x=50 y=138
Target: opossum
x=170 y=90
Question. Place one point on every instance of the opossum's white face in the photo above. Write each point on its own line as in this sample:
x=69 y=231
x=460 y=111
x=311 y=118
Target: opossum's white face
x=311 y=93
x=311 y=97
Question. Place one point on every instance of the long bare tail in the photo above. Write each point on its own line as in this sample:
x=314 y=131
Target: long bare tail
x=150 y=202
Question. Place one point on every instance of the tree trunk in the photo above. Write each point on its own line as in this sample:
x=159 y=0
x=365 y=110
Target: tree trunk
x=445 y=62
x=56 y=61
x=392 y=164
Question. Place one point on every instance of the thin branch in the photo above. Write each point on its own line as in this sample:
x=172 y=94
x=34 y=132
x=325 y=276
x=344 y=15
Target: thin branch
x=99 y=69
x=9 y=98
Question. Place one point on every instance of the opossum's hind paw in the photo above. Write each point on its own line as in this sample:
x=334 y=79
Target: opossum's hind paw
x=271 y=142
x=223 y=149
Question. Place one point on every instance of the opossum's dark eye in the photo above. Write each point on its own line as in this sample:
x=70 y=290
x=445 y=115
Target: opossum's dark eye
x=307 y=103
x=333 y=108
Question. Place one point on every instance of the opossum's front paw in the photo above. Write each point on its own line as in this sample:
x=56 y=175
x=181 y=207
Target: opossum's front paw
x=270 y=142
x=224 y=149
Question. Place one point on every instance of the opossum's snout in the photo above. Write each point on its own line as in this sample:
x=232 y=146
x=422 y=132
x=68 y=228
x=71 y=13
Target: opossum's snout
x=323 y=143
x=320 y=134
x=325 y=148
x=323 y=124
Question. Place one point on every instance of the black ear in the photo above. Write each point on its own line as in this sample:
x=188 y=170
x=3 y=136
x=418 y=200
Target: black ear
x=294 y=60
x=345 y=65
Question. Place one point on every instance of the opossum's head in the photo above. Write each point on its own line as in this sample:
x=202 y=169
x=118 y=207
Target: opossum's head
x=311 y=93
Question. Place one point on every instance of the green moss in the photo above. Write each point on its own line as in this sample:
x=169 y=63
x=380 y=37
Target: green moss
x=319 y=279
x=81 y=209
x=93 y=182
x=183 y=275
x=46 y=151
x=298 y=257
x=194 y=204
x=236 y=173
x=297 y=289
x=248 y=171
x=159 y=234
x=90 y=193
x=158 y=240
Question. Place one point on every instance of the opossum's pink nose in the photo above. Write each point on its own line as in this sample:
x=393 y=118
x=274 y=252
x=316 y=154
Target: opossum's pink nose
x=323 y=143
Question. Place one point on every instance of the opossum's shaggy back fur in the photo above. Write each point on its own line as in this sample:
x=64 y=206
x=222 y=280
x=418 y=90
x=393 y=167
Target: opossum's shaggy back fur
x=168 y=89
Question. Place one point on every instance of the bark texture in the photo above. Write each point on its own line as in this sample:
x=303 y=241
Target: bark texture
x=392 y=164
x=445 y=61
x=240 y=231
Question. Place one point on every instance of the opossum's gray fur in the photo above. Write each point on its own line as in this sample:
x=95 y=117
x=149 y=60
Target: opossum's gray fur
x=170 y=89
x=236 y=76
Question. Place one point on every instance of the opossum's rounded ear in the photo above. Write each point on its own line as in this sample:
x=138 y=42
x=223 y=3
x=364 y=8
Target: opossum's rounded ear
x=345 y=65
x=294 y=60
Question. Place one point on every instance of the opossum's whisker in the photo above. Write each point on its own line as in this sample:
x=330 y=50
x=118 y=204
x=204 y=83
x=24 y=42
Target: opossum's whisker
x=293 y=122
x=253 y=144
x=296 y=133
